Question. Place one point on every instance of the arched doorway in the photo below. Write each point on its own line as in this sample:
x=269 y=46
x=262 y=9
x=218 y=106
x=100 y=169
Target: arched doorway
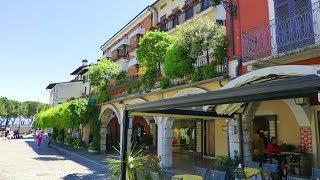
x=141 y=132
x=110 y=129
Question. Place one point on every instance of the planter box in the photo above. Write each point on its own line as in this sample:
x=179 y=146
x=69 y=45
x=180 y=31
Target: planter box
x=93 y=151
x=77 y=147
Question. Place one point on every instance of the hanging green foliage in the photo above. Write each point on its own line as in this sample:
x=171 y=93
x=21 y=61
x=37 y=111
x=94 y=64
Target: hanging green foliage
x=101 y=73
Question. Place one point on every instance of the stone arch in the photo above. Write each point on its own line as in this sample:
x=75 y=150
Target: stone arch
x=138 y=101
x=293 y=70
x=298 y=113
x=189 y=91
x=106 y=111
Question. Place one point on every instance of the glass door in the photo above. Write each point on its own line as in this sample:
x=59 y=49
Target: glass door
x=209 y=138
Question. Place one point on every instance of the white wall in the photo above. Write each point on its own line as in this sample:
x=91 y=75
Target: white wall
x=171 y=4
x=64 y=91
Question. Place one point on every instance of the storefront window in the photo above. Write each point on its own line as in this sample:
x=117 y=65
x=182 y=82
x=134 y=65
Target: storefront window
x=183 y=136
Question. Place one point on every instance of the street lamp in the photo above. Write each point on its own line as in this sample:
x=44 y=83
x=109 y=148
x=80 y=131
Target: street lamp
x=301 y=101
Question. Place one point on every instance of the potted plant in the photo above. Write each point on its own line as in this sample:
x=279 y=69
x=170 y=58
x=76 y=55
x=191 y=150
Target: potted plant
x=177 y=11
x=68 y=140
x=59 y=139
x=195 y=1
x=94 y=147
x=216 y=2
x=185 y=6
x=227 y=163
x=78 y=143
x=159 y=24
x=288 y=147
x=135 y=162
x=170 y=16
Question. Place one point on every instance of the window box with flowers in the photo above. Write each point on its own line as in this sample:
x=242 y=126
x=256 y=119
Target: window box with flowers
x=195 y=1
x=177 y=11
x=185 y=7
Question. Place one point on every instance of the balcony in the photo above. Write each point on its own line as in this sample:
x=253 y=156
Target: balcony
x=121 y=43
x=138 y=31
x=133 y=49
x=284 y=40
x=120 y=90
x=106 y=55
x=187 y=14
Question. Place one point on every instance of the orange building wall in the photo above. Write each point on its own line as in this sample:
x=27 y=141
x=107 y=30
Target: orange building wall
x=251 y=13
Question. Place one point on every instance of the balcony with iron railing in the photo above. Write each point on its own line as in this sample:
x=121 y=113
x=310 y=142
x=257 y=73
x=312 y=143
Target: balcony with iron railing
x=220 y=68
x=180 y=17
x=283 y=36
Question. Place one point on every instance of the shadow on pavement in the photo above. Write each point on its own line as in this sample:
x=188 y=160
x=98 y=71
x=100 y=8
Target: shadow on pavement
x=50 y=154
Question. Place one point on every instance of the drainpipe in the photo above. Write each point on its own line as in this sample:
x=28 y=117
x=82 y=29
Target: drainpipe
x=239 y=60
x=240 y=138
x=152 y=14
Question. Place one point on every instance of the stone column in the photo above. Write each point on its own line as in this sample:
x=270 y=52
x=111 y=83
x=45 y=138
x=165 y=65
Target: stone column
x=130 y=133
x=247 y=117
x=86 y=134
x=103 y=132
x=233 y=135
x=234 y=132
x=165 y=135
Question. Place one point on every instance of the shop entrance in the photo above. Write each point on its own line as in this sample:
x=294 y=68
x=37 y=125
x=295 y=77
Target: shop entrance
x=209 y=138
x=112 y=135
x=263 y=129
x=183 y=136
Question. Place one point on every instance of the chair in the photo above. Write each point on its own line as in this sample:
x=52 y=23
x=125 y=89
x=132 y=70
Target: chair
x=139 y=176
x=251 y=164
x=238 y=173
x=293 y=177
x=315 y=173
x=216 y=175
x=154 y=176
x=269 y=169
x=200 y=172
x=294 y=162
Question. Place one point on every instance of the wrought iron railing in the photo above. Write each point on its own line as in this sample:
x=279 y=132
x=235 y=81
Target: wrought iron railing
x=283 y=34
x=119 y=56
x=185 y=15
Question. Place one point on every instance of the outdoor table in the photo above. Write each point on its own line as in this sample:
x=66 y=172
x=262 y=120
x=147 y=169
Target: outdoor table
x=188 y=177
x=252 y=173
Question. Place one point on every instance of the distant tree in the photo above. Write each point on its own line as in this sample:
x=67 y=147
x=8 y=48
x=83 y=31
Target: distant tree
x=102 y=72
x=31 y=109
x=152 y=49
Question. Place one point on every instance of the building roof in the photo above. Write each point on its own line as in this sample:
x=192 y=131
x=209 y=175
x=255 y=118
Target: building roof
x=52 y=85
x=78 y=70
x=125 y=26
x=83 y=71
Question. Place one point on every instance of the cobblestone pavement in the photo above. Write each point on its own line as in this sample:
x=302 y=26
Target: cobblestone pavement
x=21 y=159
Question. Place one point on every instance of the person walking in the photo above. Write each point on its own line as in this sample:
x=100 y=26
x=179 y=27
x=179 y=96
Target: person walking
x=49 y=131
x=40 y=136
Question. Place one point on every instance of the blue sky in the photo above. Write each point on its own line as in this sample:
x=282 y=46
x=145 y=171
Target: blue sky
x=43 y=41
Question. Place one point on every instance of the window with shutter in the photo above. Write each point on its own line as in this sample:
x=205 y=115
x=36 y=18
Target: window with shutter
x=294 y=26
